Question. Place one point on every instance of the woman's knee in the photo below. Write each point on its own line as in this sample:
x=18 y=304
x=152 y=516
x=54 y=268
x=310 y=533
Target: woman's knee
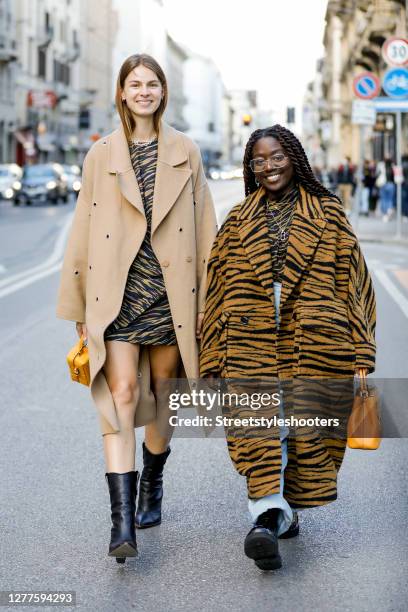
x=125 y=394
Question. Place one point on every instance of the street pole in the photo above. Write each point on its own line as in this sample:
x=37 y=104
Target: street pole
x=399 y=175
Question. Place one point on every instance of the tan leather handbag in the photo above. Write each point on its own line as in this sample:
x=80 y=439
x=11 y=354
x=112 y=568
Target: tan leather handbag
x=78 y=362
x=364 y=424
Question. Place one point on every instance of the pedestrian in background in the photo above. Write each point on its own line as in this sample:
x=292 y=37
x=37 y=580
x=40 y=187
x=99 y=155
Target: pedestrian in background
x=133 y=280
x=374 y=192
x=387 y=188
x=368 y=184
x=346 y=182
x=404 y=189
x=289 y=295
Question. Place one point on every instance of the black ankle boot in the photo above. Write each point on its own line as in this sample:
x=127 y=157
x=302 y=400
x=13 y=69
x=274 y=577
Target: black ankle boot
x=261 y=543
x=151 y=489
x=122 y=490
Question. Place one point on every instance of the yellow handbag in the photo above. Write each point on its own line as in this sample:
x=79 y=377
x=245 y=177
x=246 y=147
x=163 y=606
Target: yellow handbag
x=364 y=424
x=78 y=362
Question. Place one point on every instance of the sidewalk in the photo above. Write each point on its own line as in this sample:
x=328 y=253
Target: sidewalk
x=373 y=229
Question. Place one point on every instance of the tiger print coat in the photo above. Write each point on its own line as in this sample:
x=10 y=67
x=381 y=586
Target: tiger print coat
x=327 y=325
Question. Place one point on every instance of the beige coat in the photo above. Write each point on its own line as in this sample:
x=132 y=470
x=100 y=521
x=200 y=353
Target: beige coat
x=108 y=229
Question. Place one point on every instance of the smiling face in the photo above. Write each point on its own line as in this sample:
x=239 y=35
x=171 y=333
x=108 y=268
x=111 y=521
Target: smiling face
x=142 y=91
x=279 y=171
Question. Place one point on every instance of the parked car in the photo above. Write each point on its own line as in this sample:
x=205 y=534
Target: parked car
x=225 y=173
x=10 y=181
x=72 y=175
x=42 y=182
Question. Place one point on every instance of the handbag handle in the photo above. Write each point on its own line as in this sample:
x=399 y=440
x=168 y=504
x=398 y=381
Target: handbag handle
x=363 y=382
x=84 y=342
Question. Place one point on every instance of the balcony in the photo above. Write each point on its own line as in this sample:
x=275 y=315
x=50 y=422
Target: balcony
x=8 y=51
x=45 y=36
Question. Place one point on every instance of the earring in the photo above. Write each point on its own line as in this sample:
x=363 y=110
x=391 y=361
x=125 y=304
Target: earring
x=257 y=183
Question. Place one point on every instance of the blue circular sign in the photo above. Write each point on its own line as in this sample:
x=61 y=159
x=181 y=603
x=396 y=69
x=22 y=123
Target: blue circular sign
x=366 y=85
x=395 y=83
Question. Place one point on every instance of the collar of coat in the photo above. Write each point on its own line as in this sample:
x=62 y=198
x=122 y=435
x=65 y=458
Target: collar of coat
x=306 y=229
x=170 y=177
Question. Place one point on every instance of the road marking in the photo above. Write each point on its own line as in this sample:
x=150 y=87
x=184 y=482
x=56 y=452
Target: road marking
x=393 y=291
x=51 y=265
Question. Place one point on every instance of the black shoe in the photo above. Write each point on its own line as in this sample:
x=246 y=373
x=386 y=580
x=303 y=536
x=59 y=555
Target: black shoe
x=151 y=489
x=293 y=530
x=122 y=490
x=261 y=543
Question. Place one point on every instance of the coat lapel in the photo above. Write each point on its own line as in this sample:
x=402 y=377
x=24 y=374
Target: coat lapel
x=254 y=234
x=307 y=226
x=121 y=165
x=170 y=178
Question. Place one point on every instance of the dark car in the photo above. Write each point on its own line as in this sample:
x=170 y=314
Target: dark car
x=42 y=182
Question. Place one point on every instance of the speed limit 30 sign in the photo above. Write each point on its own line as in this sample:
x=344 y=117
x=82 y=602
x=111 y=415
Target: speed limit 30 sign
x=395 y=51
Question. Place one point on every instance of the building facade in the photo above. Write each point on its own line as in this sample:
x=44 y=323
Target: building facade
x=8 y=59
x=354 y=34
x=55 y=62
x=204 y=107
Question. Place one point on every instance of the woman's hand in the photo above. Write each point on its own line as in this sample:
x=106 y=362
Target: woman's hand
x=81 y=330
x=361 y=371
x=199 y=324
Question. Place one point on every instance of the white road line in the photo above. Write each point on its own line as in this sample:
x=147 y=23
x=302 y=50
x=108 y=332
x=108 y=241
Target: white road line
x=30 y=280
x=393 y=291
x=51 y=265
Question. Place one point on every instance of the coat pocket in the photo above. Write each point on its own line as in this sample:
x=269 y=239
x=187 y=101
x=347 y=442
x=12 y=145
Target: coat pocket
x=250 y=345
x=325 y=344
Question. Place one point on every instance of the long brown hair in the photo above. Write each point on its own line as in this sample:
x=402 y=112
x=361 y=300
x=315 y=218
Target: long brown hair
x=139 y=59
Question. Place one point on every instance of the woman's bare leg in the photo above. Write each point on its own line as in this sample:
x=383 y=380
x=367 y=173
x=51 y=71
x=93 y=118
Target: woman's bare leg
x=164 y=362
x=121 y=368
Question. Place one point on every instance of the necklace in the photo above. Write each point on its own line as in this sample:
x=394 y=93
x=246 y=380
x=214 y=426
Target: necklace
x=139 y=142
x=283 y=227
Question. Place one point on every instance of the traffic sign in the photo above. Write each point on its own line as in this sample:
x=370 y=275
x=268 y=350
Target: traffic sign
x=395 y=83
x=366 y=85
x=363 y=112
x=388 y=105
x=395 y=51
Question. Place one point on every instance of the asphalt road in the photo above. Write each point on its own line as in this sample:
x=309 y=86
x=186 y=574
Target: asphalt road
x=351 y=555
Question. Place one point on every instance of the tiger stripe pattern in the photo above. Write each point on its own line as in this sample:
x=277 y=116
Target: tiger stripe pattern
x=327 y=330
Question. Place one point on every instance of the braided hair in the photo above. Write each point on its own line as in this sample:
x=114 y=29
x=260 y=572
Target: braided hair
x=302 y=170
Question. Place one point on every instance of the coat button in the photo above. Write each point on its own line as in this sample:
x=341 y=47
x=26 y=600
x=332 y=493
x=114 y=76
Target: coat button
x=90 y=267
x=76 y=272
x=244 y=320
x=165 y=264
x=193 y=290
x=189 y=259
x=107 y=235
x=180 y=229
x=94 y=203
x=179 y=326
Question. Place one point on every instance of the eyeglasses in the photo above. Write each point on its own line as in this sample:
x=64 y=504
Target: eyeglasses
x=259 y=164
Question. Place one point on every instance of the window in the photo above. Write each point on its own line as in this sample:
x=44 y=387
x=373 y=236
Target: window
x=42 y=62
x=47 y=22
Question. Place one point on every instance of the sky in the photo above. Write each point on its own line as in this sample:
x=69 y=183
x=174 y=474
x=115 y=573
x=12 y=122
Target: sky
x=268 y=45
x=271 y=46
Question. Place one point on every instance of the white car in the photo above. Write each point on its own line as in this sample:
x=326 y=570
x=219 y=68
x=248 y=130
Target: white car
x=10 y=181
x=72 y=175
